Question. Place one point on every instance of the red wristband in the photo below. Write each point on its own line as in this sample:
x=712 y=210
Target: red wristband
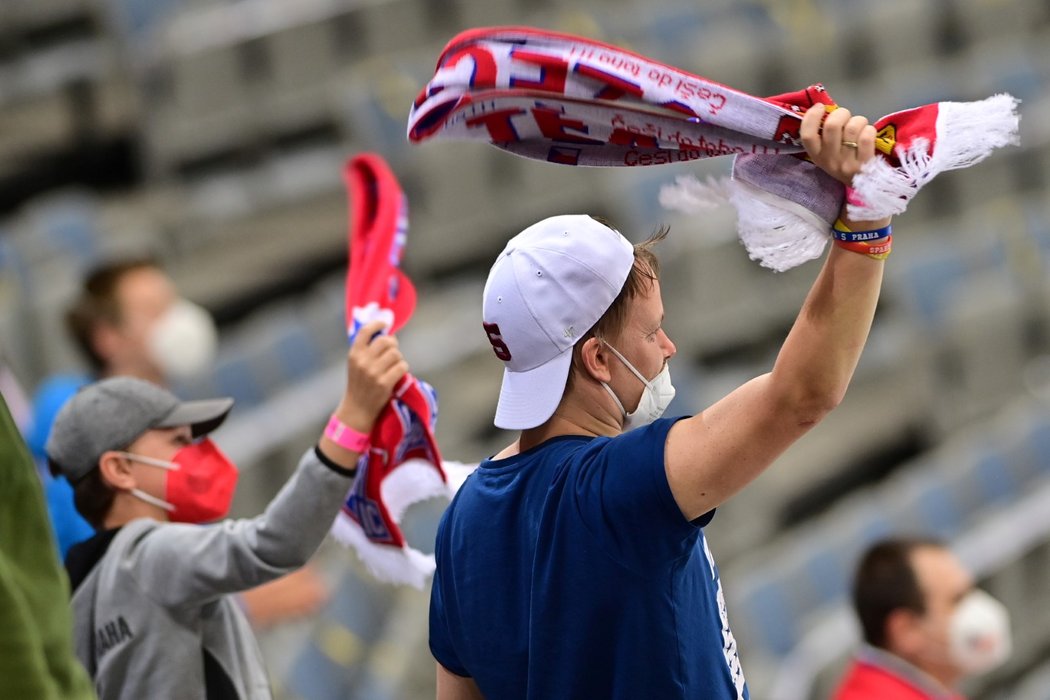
x=346 y=437
x=880 y=249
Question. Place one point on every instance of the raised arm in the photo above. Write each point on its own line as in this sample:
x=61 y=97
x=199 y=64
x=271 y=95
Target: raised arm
x=714 y=454
x=178 y=564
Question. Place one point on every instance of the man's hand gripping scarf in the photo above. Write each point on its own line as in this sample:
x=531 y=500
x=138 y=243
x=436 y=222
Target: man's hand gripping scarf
x=573 y=101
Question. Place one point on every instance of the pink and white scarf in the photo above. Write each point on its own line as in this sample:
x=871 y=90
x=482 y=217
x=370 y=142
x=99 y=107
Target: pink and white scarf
x=403 y=465
x=574 y=101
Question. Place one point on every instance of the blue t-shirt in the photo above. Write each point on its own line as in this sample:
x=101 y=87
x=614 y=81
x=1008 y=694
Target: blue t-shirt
x=69 y=526
x=568 y=571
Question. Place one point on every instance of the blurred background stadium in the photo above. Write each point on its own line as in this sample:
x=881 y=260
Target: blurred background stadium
x=211 y=134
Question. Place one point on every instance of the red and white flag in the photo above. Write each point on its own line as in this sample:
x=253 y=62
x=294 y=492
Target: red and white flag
x=403 y=464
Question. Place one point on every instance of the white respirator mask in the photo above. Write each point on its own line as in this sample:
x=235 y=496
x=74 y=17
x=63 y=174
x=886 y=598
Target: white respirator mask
x=183 y=341
x=979 y=634
x=656 y=396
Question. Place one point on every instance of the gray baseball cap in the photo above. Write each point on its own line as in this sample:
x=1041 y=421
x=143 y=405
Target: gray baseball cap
x=113 y=413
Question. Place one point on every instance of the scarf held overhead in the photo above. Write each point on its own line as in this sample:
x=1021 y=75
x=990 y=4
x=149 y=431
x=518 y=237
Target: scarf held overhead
x=573 y=101
x=403 y=465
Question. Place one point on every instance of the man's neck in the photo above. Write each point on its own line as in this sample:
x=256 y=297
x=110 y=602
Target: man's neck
x=924 y=679
x=579 y=413
x=126 y=508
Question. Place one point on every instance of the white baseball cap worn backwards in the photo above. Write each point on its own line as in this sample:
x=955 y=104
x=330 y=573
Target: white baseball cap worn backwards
x=548 y=287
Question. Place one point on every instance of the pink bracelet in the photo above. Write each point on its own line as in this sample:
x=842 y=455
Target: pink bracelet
x=853 y=198
x=346 y=437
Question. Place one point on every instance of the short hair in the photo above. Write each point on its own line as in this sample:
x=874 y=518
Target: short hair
x=92 y=496
x=885 y=581
x=644 y=272
x=97 y=303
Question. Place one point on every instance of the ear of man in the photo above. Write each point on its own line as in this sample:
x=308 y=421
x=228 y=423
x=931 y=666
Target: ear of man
x=904 y=635
x=106 y=341
x=594 y=359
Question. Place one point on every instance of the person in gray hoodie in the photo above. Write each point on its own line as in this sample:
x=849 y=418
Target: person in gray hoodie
x=152 y=605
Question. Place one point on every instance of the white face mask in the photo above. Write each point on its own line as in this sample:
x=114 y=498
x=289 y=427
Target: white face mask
x=142 y=495
x=183 y=341
x=656 y=396
x=979 y=634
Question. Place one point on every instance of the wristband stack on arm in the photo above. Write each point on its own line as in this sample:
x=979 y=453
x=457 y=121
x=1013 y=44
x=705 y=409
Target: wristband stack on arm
x=875 y=244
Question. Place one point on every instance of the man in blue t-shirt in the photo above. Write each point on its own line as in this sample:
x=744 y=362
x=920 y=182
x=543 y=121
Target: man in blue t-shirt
x=573 y=564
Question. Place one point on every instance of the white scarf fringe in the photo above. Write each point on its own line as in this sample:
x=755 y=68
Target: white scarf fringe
x=780 y=234
x=402 y=566
x=777 y=233
x=412 y=482
x=967 y=133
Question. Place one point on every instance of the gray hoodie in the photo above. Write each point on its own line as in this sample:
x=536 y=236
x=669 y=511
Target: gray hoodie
x=153 y=615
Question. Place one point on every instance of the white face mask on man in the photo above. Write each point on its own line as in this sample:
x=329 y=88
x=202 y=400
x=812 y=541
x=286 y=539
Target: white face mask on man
x=656 y=396
x=977 y=639
x=183 y=341
x=979 y=634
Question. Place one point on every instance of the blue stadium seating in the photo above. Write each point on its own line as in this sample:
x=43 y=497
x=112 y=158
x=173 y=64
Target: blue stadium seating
x=331 y=665
x=768 y=613
x=297 y=352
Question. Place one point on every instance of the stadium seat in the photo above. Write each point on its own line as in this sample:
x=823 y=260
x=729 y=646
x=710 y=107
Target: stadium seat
x=205 y=111
x=827 y=570
x=297 y=352
x=295 y=94
x=981 y=376
x=934 y=505
x=393 y=25
x=993 y=478
x=1039 y=444
x=235 y=377
x=766 y=614
x=330 y=664
x=68 y=223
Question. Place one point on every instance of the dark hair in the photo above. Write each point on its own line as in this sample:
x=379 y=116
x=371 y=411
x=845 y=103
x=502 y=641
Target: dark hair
x=92 y=496
x=97 y=304
x=885 y=581
x=644 y=272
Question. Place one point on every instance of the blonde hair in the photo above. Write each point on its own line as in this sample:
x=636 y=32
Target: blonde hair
x=644 y=272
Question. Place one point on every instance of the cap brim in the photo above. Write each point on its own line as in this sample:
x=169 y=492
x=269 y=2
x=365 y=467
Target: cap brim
x=527 y=399
x=202 y=416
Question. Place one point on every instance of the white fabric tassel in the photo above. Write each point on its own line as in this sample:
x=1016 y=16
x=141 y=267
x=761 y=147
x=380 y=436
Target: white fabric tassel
x=967 y=133
x=403 y=566
x=689 y=196
x=414 y=481
x=779 y=234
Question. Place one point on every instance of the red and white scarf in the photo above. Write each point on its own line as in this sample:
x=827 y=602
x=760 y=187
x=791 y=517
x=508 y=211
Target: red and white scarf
x=574 y=101
x=403 y=465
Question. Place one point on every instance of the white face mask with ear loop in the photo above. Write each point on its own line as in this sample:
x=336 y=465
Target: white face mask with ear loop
x=656 y=396
x=142 y=495
x=184 y=340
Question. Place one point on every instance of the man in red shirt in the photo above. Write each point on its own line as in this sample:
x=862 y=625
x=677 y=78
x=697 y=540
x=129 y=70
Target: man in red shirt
x=925 y=625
